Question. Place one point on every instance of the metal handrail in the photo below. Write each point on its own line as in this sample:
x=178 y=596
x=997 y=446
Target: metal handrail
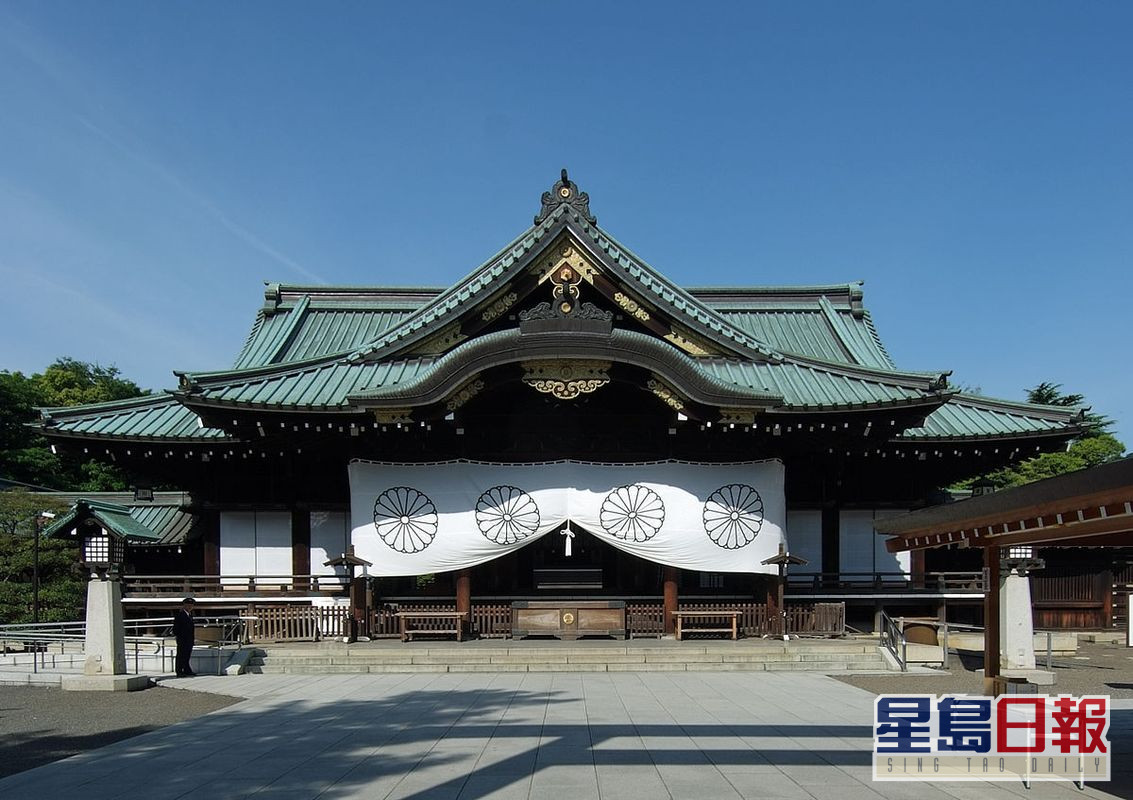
x=37 y=638
x=945 y=627
x=893 y=639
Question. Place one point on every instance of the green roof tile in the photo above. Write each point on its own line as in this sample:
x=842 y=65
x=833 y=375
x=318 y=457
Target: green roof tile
x=972 y=416
x=153 y=417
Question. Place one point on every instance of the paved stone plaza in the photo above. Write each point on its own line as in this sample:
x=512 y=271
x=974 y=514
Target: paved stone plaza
x=566 y=736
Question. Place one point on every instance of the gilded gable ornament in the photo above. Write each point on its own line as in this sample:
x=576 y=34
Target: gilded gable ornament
x=566 y=380
x=565 y=191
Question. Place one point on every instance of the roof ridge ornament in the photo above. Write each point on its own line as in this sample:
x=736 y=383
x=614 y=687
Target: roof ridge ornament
x=565 y=191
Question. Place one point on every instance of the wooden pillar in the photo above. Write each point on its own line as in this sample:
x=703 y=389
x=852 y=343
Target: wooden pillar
x=358 y=607
x=464 y=591
x=917 y=558
x=669 y=579
x=210 y=543
x=464 y=594
x=991 y=619
x=831 y=539
x=301 y=546
x=1105 y=578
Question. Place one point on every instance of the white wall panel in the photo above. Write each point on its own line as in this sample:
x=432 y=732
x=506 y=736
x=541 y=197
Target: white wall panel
x=862 y=549
x=329 y=530
x=237 y=543
x=855 y=541
x=886 y=561
x=273 y=543
x=804 y=538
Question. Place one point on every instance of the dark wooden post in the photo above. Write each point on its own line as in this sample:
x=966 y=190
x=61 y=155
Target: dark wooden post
x=358 y=606
x=301 y=547
x=991 y=619
x=1105 y=578
x=210 y=543
x=917 y=568
x=831 y=539
x=771 y=601
x=464 y=593
x=671 y=575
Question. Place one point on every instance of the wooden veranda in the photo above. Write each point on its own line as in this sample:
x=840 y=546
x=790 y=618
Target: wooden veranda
x=1089 y=508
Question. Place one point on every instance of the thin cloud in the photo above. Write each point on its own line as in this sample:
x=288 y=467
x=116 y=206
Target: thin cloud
x=60 y=69
x=199 y=200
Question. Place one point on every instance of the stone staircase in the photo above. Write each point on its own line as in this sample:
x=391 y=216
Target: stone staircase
x=327 y=658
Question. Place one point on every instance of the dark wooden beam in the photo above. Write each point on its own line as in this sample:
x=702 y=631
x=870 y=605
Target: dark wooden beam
x=671 y=575
x=1067 y=506
x=301 y=545
x=991 y=620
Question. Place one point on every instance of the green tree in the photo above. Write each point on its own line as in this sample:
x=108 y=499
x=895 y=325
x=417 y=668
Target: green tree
x=1050 y=394
x=25 y=455
x=60 y=576
x=1094 y=446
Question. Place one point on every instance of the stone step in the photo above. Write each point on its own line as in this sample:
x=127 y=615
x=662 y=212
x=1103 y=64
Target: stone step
x=388 y=659
x=795 y=666
x=567 y=650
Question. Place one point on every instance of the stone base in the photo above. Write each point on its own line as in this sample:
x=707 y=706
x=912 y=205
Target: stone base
x=1035 y=677
x=105 y=683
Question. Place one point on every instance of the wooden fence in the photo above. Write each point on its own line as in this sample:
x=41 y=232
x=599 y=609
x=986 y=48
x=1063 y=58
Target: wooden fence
x=803 y=619
x=277 y=623
x=1072 y=597
x=271 y=623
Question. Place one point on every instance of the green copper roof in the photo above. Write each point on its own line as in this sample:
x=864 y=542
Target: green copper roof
x=975 y=417
x=321 y=386
x=803 y=386
x=172 y=524
x=313 y=327
x=111 y=516
x=327 y=385
x=793 y=348
x=149 y=418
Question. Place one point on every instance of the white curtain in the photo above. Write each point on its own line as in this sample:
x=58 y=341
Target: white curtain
x=413 y=519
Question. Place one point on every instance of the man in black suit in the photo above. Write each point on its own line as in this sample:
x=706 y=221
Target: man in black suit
x=183 y=629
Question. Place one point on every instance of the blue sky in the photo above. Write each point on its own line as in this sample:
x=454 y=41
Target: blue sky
x=970 y=161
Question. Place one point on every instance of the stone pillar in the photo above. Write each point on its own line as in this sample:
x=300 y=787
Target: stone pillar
x=1015 y=623
x=106 y=633
x=670 y=577
x=104 y=669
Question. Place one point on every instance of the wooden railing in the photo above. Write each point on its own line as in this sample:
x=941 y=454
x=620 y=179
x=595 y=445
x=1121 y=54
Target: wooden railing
x=880 y=582
x=232 y=585
x=645 y=619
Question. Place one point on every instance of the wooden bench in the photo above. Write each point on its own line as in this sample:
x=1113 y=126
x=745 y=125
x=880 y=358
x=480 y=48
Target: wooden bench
x=709 y=616
x=457 y=618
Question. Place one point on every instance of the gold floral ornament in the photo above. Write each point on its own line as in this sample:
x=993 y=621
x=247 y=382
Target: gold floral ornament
x=671 y=398
x=497 y=308
x=566 y=380
x=632 y=307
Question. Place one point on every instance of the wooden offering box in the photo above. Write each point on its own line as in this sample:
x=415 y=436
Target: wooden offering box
x=568 y=619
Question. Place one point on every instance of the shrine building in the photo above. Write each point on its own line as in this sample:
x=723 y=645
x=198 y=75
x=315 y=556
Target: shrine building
x=562 y=421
